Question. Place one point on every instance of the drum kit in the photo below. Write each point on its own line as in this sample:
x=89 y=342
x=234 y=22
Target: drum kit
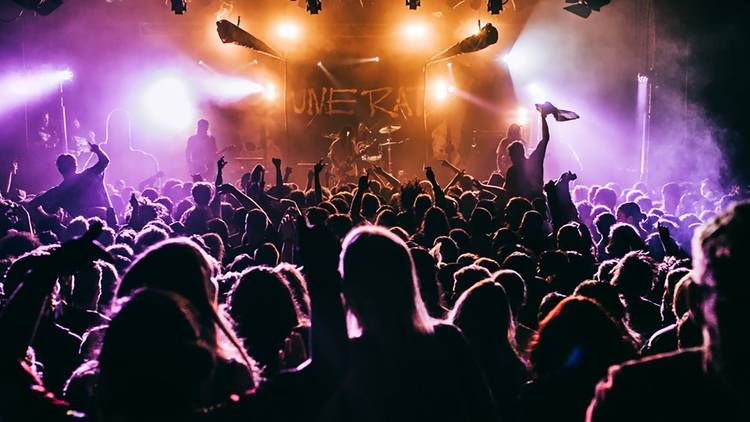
x=378 y=151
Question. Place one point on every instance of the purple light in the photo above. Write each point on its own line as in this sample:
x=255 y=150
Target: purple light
x=19 y=88
x=167 y=103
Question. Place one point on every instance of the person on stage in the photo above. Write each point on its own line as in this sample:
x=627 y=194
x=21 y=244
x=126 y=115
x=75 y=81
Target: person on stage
x=343 y=155
x=503 y=158
x=201 y=150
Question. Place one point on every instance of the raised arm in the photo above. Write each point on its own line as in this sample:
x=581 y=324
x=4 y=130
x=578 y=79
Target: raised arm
x=389 y=178
x=151 y=181
x=279 y=177
x=541 y=148
x=9 y=181
x=102 y=158
x=319 y=250
x=247 y=202
x=440 y=201
x=354 y=212
x=318 y=188
x=216 y=201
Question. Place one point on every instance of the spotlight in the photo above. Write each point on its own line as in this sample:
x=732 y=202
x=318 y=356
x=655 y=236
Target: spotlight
x=64 y=75
x=495 y=6
x=450 y=64
x=41 y=7
x=442 y=90
x=415 y=30
x=314 y=6
x=288 y=30
x=320 y=64
x=179 y=6
x=270 y=92
x=486 y=36
x=522 y=116
x=231 y=33
x=583 y=8
x=537 y=93
x=168 y=104
x=377 y=59
x=413 y=4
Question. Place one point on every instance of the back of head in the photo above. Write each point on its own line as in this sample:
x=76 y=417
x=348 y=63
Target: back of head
x=721 y=251
x=262 y=306
x=517 y=152
x=624 y=238
x=605 y=295
x=66 y=164
x=607 y=197
x=153 y=362
x=385 y=299
x=483 y=311
x=514 y=131
x=176 y=265
x=467 y=277
x=202 y=192
x=267 y=254
x=515 y=287
x=634 y=275
x=579 y=337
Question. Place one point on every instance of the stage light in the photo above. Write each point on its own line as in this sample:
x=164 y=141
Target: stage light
x=486 y=36
x=167 y=103
x=320 y=64
x=522 y=116
x=270 y=92
x=415 y=30
x=225 y=88
x=288 y=30
x=495 y=6
x=537 y=92
x=314 y=6
x=179 y=6
x=64 y=75
x=442 y=90
x=19 y=88
x=231 y=33
x=583 y=8
x=450 y=64
x=377 y=59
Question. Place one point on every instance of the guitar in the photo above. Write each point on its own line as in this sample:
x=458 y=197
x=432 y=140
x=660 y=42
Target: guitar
x=206 y=165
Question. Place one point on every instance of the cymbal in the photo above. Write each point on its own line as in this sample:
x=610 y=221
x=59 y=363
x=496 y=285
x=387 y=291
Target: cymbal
x=386 y=130
x=390 y=143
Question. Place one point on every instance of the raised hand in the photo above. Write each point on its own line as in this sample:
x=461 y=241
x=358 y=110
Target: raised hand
x=319 y=166
x=319 y=249
x=288 y=228
x=80 y=252
x=287 y=172
x=364 y=184
x=429 y=173
x=95 y=148
x=276 y=161
x=221 y=163
x=133 y=201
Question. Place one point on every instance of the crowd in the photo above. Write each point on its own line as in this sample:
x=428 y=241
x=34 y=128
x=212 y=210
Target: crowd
x=383 y=300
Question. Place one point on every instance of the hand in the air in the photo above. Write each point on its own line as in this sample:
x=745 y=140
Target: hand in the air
x=80 y=252
x=221 y=163
x=319 y=166
x=429 y=173
x=319 y=248
x=287 y=171
x=364 y=183
x=276 y=161
x=133 y=201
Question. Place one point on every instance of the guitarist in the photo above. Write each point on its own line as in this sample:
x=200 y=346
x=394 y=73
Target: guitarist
x=343 y=156
x=201 y=150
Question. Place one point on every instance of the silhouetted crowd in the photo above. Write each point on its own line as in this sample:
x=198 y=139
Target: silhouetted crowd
x=498 y=299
